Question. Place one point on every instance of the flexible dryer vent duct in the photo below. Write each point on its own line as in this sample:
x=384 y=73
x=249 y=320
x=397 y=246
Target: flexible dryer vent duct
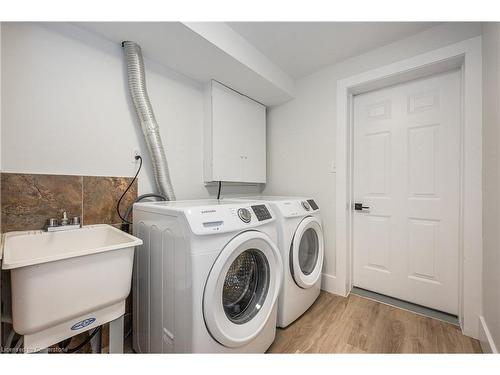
x=150 y=129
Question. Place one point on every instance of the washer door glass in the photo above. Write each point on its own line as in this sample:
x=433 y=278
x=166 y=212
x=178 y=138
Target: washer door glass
x=246 y=286
x=306 y=253
x=242 y=288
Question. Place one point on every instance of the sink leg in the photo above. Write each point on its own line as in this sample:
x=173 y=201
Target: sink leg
x=116 y=335
x=96 y=342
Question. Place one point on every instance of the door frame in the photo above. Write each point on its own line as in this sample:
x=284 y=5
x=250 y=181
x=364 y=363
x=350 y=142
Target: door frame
x=465 y=56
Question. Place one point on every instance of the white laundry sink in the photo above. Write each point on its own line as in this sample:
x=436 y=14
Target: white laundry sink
x=65 y=283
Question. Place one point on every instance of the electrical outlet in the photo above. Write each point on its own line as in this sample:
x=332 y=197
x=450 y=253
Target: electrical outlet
x=135 y=152
x=333 y=167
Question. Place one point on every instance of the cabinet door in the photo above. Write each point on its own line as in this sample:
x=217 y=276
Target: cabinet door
x=238 y=137
x=254 y=158
x=227 y=134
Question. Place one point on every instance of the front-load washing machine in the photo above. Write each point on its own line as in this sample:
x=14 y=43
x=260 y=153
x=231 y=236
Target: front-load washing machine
x=300 y=240
x=207 y=277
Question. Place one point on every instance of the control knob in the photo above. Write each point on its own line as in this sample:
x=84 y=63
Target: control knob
x=306 y=206
x=244 y=215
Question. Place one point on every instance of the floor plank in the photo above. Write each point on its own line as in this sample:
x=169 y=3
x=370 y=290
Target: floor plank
x=355 y=324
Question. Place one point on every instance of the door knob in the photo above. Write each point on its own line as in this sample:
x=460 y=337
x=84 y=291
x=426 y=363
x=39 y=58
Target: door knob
x=360 y=207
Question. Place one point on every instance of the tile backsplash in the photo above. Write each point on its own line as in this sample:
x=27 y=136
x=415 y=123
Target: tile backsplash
x=28 y=200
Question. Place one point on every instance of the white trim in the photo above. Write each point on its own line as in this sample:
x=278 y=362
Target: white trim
x=329 y=284
x=467 y=56
x=487 y=343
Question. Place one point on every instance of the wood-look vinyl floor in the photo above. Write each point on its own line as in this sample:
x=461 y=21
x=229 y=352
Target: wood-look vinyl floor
x=355 y=324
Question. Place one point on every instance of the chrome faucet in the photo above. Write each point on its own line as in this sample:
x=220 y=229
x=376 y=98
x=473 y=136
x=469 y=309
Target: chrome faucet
x=54 y=225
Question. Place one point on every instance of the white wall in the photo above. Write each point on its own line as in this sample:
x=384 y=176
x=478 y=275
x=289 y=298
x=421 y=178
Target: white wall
x=66 y=110
x=491 y=181
x=301 y=133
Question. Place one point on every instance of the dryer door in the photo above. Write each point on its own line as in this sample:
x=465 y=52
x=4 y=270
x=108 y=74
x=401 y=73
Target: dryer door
x=306 y=253
x=242 y=289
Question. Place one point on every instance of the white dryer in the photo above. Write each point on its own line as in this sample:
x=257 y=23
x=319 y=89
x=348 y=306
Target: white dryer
x=207 y=277
x=300 y=240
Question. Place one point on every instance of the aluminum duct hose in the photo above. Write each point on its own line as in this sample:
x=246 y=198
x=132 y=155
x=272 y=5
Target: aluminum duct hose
x=150 y=129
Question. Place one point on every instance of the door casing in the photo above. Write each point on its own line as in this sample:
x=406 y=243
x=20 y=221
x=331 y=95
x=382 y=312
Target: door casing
x=466 y=56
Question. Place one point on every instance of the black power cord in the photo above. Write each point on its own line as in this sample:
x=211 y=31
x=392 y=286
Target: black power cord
x=218 y=192
x=137 y=157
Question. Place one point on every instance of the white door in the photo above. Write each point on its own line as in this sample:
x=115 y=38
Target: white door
x=407 y=171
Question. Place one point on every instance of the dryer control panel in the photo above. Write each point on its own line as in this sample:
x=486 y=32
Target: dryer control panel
x=294 y=208
x=313 y=204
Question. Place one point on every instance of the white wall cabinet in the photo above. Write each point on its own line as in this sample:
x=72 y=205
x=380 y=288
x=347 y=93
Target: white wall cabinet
x=235 y=136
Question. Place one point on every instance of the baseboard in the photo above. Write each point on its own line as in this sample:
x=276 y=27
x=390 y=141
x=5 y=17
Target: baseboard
x=487 y=343
x=330 y=284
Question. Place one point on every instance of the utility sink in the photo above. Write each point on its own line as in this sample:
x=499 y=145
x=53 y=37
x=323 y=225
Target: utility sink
x=65 y=283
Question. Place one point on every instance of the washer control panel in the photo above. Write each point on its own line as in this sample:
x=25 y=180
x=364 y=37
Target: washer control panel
x=245 y=215
x=305 y=205
x=261 y=212
x=227 y=216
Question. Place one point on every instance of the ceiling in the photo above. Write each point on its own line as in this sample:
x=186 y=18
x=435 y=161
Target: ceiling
x=202 y=51
x=258 y=59
x=301 y=48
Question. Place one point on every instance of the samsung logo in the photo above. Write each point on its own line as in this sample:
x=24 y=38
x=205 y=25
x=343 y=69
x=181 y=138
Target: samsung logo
x=208 y=211
x=82 y=324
